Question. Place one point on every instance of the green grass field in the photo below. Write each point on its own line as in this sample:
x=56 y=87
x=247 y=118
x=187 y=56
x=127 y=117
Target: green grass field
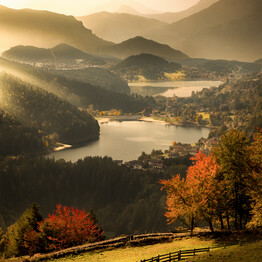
x=133 y=254
x=251 y=252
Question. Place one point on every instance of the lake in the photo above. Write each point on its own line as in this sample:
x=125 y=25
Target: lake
x=128 y=139
x=171 y=88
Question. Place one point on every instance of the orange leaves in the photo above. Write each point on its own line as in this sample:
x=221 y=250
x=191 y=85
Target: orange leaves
x=70 y=226
x=195 y=196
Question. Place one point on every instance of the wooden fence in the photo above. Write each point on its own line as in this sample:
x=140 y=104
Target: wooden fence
x=178 y=255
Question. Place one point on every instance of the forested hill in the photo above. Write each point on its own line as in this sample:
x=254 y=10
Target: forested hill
x=58 y=54
x=17 y=139
x=148 y=66
x=78 y=93
x=35 y=107
x=138 y=45
x=97 y=77
x=121 y=198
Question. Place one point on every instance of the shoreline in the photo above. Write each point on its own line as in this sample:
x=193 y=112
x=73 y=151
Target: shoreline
x=107 y=119
x=152 y=120
x=61 y=146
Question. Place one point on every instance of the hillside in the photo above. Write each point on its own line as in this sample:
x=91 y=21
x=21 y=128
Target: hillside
x=170 y=17
x=97 y=77
x=61 y=53
x=17 y=139
x=237 y=36
x=118 y=27
x=138 y=45
x=37 y=108
x=75 y=92
x=44 y=29
x=145 y=66
x=258 y=61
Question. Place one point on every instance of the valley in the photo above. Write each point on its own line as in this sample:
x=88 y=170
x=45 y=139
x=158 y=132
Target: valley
x=129 y=120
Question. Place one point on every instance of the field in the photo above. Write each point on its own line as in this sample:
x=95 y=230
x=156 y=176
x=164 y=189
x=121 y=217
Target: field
x=251 y=252
x=133 y=254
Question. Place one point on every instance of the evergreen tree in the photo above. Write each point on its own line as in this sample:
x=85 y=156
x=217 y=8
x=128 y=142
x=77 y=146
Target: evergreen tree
x=16 y=233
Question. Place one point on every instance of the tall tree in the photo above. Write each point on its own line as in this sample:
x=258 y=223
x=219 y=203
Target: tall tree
x=197 y=197
x=256 y=180
x=180 y=202
x=202 y=179
x=234 y=159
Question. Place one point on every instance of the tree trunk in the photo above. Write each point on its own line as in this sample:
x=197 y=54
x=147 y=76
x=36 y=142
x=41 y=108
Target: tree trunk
x=211 y=226
x=228 y=223
x=221 y=222
x=192 y=226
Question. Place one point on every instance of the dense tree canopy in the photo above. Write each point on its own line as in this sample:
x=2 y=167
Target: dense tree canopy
x=225 y=186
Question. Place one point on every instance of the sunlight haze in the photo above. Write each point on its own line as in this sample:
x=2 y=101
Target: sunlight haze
x=82 y=7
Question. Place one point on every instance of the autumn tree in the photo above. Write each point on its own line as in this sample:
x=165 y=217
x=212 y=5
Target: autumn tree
x=197 y=196
x=180 y=202
x=69 y=226
x=234 y=159
x=202 y=179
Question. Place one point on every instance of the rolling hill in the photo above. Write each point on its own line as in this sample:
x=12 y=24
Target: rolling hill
x=44 y=29
x=229 y=29
x=117 y=27
x=61 y=53
x=138 y=45
x=145 y=66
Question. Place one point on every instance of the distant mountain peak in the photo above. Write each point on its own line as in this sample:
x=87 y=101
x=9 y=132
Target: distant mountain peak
x=113 y=5
x=127 y=10
x=139 y=44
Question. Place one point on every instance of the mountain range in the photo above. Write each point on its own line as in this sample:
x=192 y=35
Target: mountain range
x=228 y=29
x=118 y=27
x=171 y=17
x=44 y=29
x=126 y=22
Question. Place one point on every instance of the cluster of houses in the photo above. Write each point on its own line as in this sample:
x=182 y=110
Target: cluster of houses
x=156 y=164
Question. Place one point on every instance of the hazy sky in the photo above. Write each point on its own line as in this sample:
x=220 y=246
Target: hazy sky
x=82 y=7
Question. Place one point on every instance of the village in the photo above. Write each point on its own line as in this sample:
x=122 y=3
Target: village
x=155 y=161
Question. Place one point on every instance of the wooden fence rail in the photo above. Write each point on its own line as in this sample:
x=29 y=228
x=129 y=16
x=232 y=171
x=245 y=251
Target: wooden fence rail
x=178 y=255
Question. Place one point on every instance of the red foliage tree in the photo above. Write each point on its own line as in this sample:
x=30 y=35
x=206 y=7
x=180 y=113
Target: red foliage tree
x=69 y=226
x=197 y=196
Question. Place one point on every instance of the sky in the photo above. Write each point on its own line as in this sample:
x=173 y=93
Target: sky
x=83 y=7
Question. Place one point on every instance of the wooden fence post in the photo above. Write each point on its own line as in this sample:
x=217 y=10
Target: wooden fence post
x=194 y=251
x=179 y=255
x=170 y=257
x=158 y=258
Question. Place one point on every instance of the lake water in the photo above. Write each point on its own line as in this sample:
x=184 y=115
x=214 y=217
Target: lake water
x=128 y=139
x=171 y=88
